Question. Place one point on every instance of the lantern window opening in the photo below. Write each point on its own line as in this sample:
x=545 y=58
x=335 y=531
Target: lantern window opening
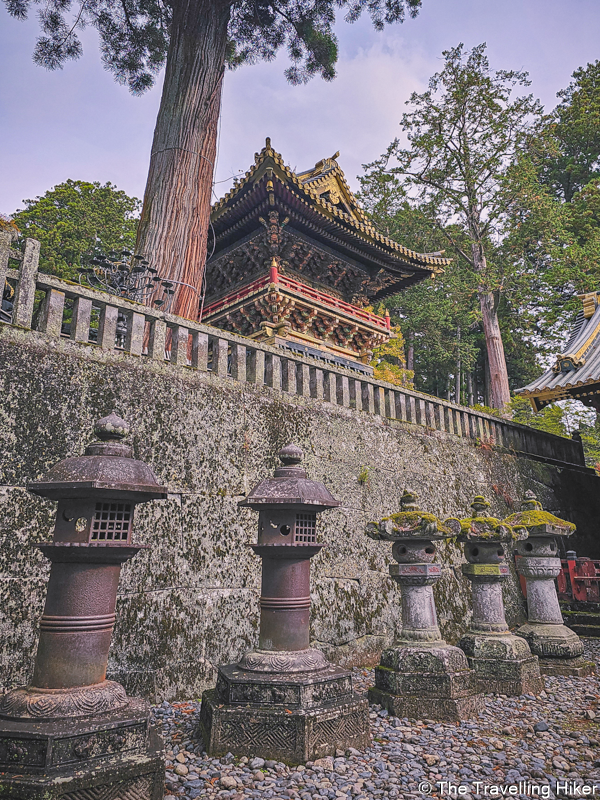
x=306 y=528
x=112 y=522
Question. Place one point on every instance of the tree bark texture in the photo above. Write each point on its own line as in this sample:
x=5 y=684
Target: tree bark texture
x=498 y=374
x=458 y=383
x=175 y=216
x=499 y=390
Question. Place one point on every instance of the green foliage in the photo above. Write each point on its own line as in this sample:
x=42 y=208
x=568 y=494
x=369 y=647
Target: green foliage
x=75 y=218
x=464 y=132
x=364 y=475
x=135 y=34
x=572 y=132
x=389 y=361
x=562 y=419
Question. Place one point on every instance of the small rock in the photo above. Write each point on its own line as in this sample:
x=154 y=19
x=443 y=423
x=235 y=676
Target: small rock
x=181 y=769
x=181 y=758
x=228 y=783
x=325 y=763
x=541 y=726
x=256 y=763
x=589 y=714
x=431 y=759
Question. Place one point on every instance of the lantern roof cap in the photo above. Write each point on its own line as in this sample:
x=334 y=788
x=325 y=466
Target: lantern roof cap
x=480 y=527
x=106 y=470
x=408 y=523
x=290 y=486
x=538 y=522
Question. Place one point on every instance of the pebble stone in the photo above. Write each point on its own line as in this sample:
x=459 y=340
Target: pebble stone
x=554 y=737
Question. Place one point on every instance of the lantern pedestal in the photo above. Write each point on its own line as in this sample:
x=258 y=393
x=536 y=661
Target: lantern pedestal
x=558 y=648
x=72 y=734
x=285 y=701
x=502 y=663
x=421 y=675
x=293 y=717
x=115 y=755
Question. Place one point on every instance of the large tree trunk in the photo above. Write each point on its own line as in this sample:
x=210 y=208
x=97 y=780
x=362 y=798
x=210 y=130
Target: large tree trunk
x=173 y=228
x=499 y=390
x=410 y=355
x=458 y=375
x=498 y=375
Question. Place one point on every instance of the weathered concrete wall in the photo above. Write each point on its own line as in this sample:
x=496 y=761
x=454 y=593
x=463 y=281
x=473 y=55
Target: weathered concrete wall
x=191 y=602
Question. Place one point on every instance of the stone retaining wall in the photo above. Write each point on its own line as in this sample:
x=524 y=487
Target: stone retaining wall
x=191 y=602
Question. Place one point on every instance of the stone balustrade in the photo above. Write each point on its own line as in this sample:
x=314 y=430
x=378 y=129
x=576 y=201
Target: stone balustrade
x=62 y=309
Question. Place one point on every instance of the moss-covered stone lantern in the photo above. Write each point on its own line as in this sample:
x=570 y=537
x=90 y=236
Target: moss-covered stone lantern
x=502 y=662
x=558 y=648
x=420 y=675
x=284 y=700
x=72 y=733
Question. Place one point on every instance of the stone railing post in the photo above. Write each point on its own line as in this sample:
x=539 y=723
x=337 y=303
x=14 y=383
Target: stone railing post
x=420 y=675
x=25 y=291
x=6 y=240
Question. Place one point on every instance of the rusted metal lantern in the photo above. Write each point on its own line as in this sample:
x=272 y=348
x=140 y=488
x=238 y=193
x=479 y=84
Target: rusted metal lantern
x=285 y=700
x=72 y=730
x=558 y=648
x=288 y=505
x=502 y=662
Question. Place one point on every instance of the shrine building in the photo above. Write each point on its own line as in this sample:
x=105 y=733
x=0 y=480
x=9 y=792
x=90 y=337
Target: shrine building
x=576 y=372
x=298 y=264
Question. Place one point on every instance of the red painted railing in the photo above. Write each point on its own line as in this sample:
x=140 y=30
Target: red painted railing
x=328 y=300
x=578 y=579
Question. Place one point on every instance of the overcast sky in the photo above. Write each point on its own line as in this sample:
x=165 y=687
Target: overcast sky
x=78 y=123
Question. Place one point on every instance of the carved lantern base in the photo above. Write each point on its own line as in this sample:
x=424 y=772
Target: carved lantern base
x=290 y=717
x=502 y=663
x=558 y=648
x=430 y=680
x=115 y=755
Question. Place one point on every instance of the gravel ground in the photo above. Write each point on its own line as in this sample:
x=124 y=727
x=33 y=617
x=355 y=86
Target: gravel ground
x=540 y=747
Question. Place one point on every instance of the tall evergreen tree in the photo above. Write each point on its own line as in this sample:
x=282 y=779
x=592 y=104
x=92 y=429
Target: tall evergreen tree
x=196 y=39
x=76 y=217
x=463 y=134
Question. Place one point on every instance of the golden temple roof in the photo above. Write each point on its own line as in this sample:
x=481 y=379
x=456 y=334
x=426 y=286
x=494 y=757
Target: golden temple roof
x=576 y=371
x=323 y=200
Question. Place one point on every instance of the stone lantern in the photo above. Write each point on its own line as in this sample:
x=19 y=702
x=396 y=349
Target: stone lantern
x=420 y=675
x=72 y=733
x=558 y=648
x=285 y=701
x=502 y=662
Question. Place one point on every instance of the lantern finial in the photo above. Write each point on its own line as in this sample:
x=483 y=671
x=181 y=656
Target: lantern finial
x=290 y=454
x=111 y=428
